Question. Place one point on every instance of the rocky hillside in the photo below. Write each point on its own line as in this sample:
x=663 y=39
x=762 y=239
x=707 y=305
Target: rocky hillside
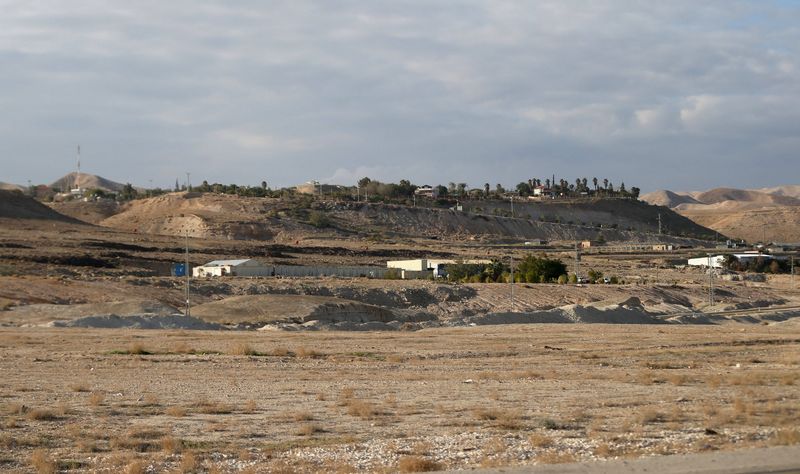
x=236 y=218
x=15 y=205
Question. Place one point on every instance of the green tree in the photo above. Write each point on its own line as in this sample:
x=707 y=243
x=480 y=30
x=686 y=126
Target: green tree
x=541 y=269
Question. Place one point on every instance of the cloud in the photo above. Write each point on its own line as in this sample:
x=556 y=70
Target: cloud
x=472 y=90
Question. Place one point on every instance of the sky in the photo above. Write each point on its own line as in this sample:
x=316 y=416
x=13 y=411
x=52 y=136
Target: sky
x=679 y=95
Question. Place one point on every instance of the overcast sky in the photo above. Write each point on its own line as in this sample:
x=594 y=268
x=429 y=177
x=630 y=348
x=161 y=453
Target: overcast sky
x=679 y=94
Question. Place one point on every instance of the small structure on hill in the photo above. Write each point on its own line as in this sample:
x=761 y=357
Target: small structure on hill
x=243 y=267
x=718 y=261
x=423 y=267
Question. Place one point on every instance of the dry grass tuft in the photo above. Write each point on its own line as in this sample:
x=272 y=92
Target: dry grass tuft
x=362 y=409
x=96 y=399
x=280 y=352
x=250 y=406
x=418 y=464
x=79 y=387
x=177 y=412
x=308 y=429
x=243 y=349
x=539 y=440
x=135 y=467
x=556 y=458
x=189 y=463
x=649 y=415
x=137 y=348
x=786 y=437
x=171 y=445
x=208 y=407
x=41 y=462
x=302 y=416
x=41 y=414
x=307 y=353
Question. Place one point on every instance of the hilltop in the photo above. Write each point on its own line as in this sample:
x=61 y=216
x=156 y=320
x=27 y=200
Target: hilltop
x=86 y=181
x=751 y=214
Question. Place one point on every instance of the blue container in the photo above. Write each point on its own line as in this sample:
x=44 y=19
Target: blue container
x=178 y=269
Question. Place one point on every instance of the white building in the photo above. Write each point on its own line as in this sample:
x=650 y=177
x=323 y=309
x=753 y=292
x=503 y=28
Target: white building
x=717 y=261
x=428 y=265
x=244 y=267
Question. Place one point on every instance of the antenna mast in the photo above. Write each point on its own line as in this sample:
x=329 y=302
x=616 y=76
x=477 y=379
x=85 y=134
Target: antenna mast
x=78 y=173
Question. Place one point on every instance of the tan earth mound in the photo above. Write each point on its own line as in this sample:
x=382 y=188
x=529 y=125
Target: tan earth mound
x=251 y=309
x=92 y=212
x=39 y=314
x=201 y=215
x=15 y=205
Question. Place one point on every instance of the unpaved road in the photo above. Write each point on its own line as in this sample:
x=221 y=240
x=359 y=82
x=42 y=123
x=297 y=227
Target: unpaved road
x=775 y=460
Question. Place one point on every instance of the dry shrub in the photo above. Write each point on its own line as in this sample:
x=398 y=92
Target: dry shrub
x=135 y=467
x=7 y=441
x=321 y=397
x=171 y=445
x=345 y=395
x=243 y=349
x=213 y=407
x=649 y=415
x=788 y=379
x=42 y=462
x=96 y=399
x=786 y=437
x=549 y=457
x=603 y=450
x=16 y=409
x=510 y=420
x=307 y=353
x=150 y=400
x=41 y=414
x=138 y=348
x=539 y=440
x=418 y=464
x=482 y=413
x=250 y=406
x=79 y=387
x=189 y=463
x=395 y=358
x=677 y=379
x=183 y=348
x=177 y=412
x=11 y=422
x=362 y=409
x=308 y=429
x=280 y=352
x=302 y=416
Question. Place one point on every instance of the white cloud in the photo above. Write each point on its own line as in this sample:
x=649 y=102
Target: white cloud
x=432 y=92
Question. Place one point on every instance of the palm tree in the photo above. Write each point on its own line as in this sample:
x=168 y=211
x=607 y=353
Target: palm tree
x=594 y=180
x=486 y=189
x=605 y=183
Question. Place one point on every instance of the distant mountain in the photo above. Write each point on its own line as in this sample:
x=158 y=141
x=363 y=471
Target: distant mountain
x=753 y=214
x=87 y=181
x=668 y=199
x=791 y=190
x=11 y=187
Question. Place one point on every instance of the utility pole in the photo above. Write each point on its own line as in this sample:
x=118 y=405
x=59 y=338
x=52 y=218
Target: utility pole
x=659 y=223
x=710 y=282
x=188 y=183
x=512 y=283
x=512 y=205
x=792 y=271
x=577 y=264
x=188 y=305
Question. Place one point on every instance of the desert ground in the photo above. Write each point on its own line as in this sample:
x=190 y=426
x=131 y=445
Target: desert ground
x=273 y=374
x=151 y=401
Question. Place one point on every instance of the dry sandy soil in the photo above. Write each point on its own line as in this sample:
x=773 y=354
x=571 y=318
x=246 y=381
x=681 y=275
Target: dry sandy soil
x=444 y=398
